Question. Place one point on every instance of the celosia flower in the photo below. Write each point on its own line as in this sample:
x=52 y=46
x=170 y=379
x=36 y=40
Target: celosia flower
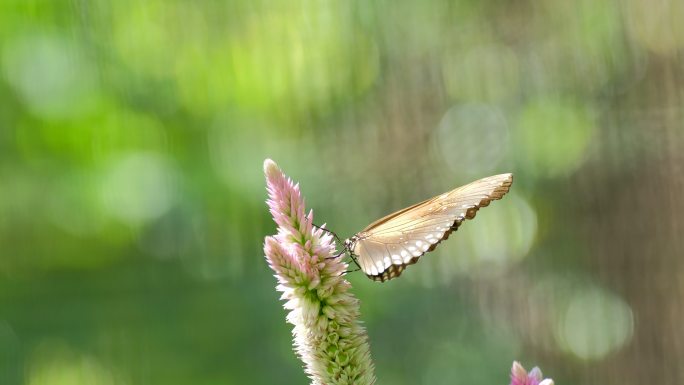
x=519 y=376
x=328 y=336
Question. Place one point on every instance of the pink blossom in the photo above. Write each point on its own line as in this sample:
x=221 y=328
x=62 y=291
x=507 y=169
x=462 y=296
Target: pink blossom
x=519 y=376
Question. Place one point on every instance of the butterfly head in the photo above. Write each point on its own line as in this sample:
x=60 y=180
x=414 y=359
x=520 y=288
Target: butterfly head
x=349 y=244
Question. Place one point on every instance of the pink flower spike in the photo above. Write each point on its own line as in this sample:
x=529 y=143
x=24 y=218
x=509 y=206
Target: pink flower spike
x=519 y=376
x=315 y=290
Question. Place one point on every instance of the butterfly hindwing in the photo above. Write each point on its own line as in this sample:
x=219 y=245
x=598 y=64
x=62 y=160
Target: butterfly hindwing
x=388 y=245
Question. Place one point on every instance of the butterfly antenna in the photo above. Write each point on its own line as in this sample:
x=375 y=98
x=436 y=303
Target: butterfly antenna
x=339 y=241
x=329 y=232
x=345 y=248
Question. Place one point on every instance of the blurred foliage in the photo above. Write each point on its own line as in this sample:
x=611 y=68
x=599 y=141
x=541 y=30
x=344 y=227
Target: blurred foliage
x=132 y=207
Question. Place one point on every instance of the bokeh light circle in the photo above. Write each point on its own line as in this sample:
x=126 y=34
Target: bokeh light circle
x=594 y=324
x=552 y=137
x=139 y=187
x=472 y=139
x=53 y=362
x=656 y=25
x=52 y=75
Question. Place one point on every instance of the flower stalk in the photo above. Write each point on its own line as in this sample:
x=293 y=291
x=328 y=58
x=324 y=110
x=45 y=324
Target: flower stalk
x=328 y=336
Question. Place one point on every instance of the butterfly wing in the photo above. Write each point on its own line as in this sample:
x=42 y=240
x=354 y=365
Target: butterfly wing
x=391 y=243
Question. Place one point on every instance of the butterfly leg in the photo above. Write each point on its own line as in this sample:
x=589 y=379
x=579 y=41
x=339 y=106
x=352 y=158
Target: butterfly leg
x=353 y=258
x=337 y=255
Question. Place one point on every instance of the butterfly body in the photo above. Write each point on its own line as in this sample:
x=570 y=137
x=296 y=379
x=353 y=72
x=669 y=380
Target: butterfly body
x=387 y=246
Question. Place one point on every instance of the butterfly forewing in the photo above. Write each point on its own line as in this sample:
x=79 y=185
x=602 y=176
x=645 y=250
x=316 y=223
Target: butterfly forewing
x=388 y=245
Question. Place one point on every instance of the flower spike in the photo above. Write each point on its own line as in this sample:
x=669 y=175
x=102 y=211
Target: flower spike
x=328 y=337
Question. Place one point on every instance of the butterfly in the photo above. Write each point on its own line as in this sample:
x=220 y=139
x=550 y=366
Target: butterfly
x=387 y=246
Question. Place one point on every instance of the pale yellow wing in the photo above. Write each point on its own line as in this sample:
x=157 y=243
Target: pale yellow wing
x=388 y=245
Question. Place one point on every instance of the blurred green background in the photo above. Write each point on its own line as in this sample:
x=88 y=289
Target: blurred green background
x=132 y=214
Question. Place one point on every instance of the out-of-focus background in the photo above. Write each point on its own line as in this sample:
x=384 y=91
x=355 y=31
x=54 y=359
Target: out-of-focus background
x=132 y=214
